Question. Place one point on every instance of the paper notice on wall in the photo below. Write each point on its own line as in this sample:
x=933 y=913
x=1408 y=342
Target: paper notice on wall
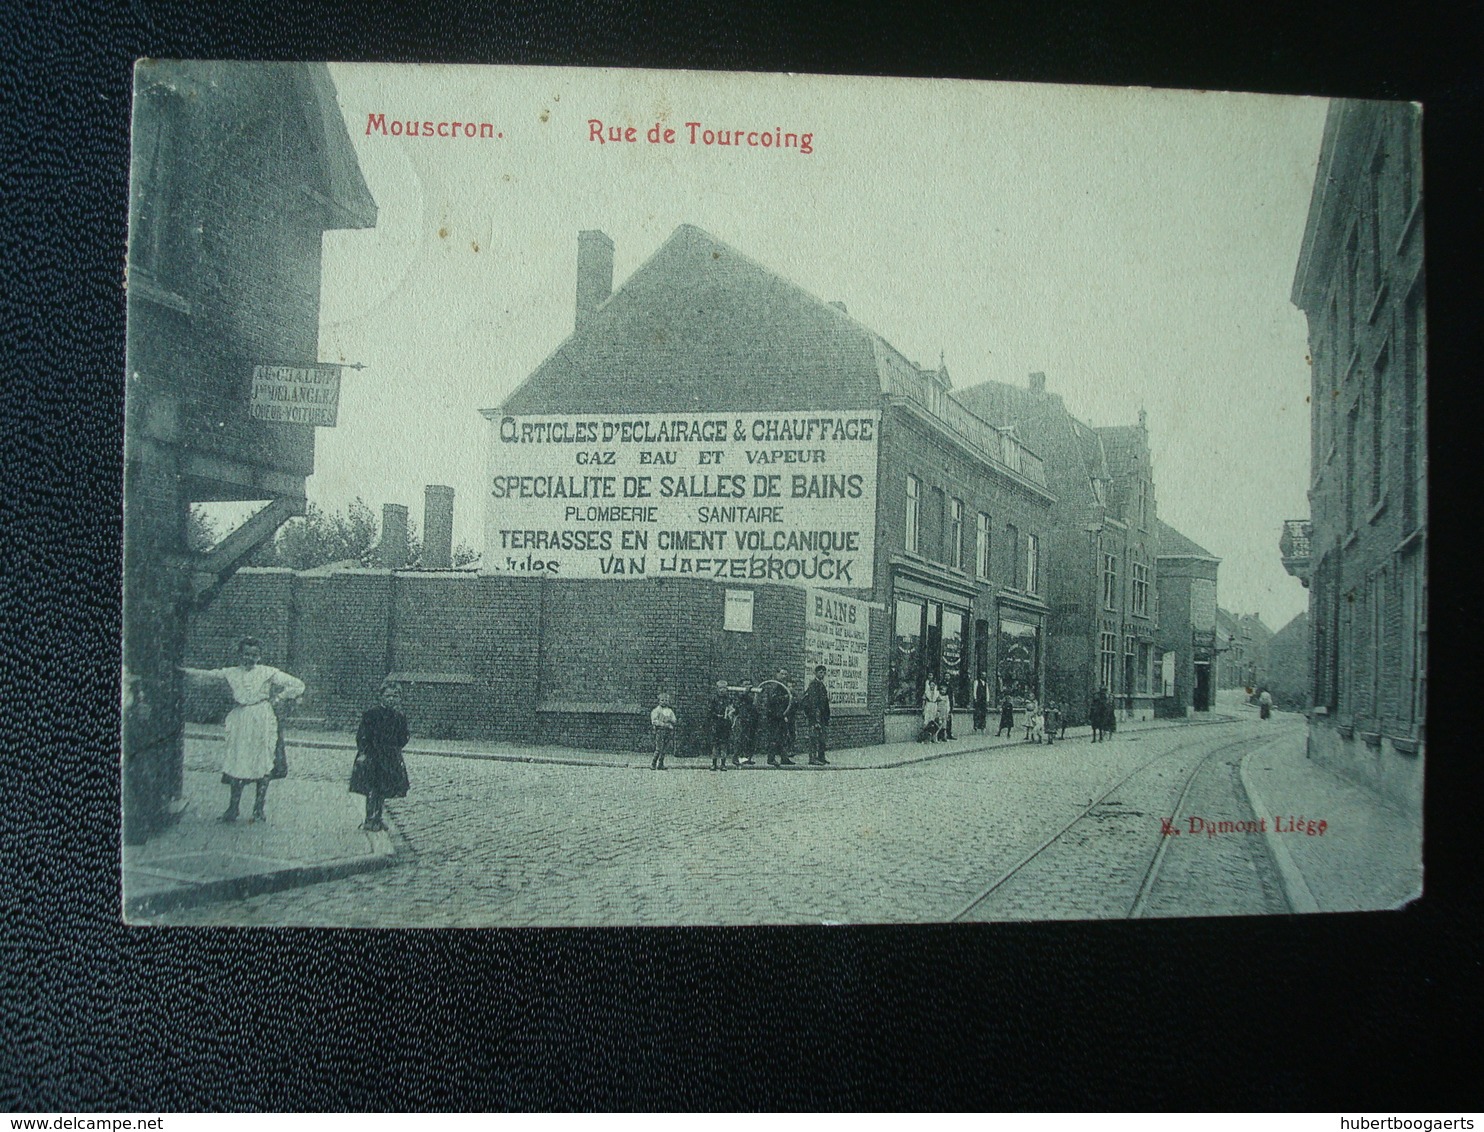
x=745 y=497
x=837 y=634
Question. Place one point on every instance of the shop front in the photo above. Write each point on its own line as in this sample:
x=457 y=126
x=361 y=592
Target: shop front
x=932 y=640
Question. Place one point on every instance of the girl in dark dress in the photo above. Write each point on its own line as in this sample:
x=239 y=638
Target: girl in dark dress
x=379 y=772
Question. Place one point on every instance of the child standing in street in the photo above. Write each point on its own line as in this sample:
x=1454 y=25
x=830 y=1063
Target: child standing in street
x=662 y=723
x=379 y=771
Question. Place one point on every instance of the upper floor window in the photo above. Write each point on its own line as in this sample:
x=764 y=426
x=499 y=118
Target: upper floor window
x=956 y=533
x=1032 y=564
x=981 y=547
x=1110 y=581
x=914 y=514
x=1012 y=536
x=1141 y=589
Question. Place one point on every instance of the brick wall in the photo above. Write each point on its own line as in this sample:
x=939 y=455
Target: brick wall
x=575 y=663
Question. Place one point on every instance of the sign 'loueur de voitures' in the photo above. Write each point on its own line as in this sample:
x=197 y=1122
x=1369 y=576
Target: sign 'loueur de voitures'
x=756 y=497
x=296 y=394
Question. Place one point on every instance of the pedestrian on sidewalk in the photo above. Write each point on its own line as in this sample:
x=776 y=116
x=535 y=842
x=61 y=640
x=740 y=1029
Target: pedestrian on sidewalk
x=1007 y=719
x=379 y=771
x=1265 y=705
x=252 y=725
x=662 y=723
x=945 y=713
x=932 y=703
x=1053 y=721
x=1035 y=722
x=979 y=696
x=817 y=711
x=777 y=711
x=719 y=715
x=1103 y=720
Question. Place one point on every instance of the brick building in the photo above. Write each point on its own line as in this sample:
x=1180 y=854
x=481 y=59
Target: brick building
x=959 y=559
x=1102 y=582
x=953 y=586
x=1360 y=281
x=1187 y=636
x=238 y=170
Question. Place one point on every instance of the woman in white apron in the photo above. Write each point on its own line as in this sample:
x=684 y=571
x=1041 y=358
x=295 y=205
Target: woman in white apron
x=252 y=724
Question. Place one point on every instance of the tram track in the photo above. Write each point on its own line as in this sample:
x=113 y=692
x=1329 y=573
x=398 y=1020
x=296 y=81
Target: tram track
x=1139 y=906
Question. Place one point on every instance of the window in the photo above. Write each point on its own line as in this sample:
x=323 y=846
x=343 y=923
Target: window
x=1130 y=661
x=1019 y=673
x=1012 y=536
x=1371 y=203
x=904 y=677
x=1414 y=441
x=1378 y=425
x=1143 y=505
x=1032 y=564
x=1375 y=607
x=1110 y=581
x=1146 y=667
x=914 y=491
x=1107 y=658
x=1351 y=283
x=956 y=534
x=981 y=547
x=1352 y=466
x=1141 y=589
x=928 y=643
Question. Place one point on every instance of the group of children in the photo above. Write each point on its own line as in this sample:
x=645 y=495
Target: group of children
x=738 y=720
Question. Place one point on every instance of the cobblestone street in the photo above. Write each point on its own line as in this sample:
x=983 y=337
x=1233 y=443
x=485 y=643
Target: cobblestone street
x=492 y=843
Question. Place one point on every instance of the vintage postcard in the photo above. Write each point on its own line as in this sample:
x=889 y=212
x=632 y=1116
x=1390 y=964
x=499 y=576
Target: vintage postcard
x=601 y=497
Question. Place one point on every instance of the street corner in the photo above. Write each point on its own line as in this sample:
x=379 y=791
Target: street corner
x=311 y=832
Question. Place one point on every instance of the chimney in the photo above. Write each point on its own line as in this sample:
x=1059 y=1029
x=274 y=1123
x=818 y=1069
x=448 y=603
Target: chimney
x=391 y=551
x=594 y=273
x=437 y=527
x=1038 y=383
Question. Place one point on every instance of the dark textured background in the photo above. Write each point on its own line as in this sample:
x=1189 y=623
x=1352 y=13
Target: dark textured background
x=1346 y=1011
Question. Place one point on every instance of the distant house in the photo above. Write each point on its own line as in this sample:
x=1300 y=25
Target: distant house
x=1103 y=546
x=1288 y=665
x=1187 y=622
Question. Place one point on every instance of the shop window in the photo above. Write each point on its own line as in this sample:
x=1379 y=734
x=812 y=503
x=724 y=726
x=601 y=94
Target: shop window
x=904 y=678
x=928 y=643
x=1019 y=673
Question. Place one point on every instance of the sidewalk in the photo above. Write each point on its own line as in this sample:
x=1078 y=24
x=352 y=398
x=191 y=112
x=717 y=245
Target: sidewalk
x=1369 y=856
x=879 y=757
x=201 y=859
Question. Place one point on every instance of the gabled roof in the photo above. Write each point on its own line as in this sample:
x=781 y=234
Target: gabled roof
x=1172 y=544
x=700 y=327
